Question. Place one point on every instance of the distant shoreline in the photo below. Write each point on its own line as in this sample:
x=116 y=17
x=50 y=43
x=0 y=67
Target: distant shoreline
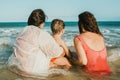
x=50 y=21
x=67 y=23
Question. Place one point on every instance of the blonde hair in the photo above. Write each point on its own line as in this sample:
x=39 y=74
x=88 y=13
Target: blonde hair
x=57 y=26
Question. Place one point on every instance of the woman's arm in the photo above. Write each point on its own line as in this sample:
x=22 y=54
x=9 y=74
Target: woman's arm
x=80 y=52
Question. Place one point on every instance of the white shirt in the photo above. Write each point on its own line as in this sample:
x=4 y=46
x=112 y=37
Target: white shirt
x=33 y=50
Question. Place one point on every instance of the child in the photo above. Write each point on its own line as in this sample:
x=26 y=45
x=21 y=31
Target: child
x=57 y=27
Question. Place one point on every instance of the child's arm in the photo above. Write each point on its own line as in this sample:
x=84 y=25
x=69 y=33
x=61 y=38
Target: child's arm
x=65 y=48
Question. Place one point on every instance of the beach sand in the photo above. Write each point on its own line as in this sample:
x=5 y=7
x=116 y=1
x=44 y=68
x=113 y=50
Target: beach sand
x=75 y=73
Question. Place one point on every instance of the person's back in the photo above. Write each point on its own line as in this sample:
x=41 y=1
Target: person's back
x=96 y=53
x=94 y=41
x=90 y=46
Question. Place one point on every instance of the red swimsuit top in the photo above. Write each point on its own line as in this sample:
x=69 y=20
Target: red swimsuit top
x=96 y=60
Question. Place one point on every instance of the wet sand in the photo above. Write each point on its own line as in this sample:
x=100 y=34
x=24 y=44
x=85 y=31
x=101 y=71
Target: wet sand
x=75 y=73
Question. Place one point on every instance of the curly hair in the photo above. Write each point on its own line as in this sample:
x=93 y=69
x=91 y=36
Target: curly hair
x=88 y=22
x=36 y=17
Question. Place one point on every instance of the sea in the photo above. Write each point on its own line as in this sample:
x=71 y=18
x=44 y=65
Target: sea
x=109 y=29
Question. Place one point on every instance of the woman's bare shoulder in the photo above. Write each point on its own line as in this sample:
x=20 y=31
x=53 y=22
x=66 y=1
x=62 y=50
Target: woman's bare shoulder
x=94 y=41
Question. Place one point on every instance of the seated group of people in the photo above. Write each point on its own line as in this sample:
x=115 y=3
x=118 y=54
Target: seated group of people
x=36 y=51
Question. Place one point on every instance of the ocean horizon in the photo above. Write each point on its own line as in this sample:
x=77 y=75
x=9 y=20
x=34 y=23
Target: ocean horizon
x=66 y=22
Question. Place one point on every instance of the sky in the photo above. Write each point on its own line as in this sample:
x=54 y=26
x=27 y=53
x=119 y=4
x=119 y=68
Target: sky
x=67 y=10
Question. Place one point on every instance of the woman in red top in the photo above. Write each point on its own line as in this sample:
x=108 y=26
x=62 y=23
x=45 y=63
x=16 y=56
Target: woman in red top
x=90 y=46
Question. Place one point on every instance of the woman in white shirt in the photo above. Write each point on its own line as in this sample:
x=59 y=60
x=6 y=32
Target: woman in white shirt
x=34 y=47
